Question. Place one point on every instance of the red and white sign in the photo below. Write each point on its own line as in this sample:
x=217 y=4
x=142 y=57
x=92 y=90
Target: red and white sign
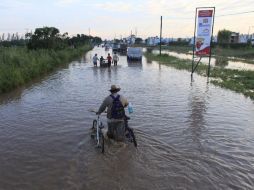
x=204 y=32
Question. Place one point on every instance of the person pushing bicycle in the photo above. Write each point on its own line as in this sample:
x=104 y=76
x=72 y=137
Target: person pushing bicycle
x=115 y=104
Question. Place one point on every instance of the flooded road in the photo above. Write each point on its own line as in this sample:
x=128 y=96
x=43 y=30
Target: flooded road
x=190 y=135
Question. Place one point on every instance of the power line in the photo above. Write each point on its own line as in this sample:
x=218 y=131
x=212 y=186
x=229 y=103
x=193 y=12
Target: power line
x=232 y=14
x=240 y=13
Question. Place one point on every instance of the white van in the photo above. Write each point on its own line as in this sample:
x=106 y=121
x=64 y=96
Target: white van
x=134 y=53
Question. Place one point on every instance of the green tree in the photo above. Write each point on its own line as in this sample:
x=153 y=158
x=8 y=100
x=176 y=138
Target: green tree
x=50 y=38
x=224 y=36
x=138 y=40
x=98 y=40
x=46 y=38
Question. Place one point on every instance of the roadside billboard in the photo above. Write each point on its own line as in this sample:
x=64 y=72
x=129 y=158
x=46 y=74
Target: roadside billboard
x=204 y=32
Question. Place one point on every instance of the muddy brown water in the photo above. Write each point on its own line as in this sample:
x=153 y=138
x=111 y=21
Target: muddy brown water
x=190 y=135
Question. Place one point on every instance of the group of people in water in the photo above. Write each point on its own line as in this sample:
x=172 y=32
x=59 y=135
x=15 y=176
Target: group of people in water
x=102 y=60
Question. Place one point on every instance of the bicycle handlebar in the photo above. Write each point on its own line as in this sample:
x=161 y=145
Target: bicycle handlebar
x=91 y=110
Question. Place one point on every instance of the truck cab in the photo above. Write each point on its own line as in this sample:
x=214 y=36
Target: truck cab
x=134 y=53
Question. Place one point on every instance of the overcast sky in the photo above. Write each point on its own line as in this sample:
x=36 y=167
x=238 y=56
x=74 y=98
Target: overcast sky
x=113 y=18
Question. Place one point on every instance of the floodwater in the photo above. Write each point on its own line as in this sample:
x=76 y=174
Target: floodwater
x=190 y=135
x=231 y=63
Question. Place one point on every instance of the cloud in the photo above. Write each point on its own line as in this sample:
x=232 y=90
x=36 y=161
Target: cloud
x=3 y=7
x=66 y=2
x=119 y=6
x=110 y=17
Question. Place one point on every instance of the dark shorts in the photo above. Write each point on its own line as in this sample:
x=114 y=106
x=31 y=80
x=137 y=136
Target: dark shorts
x=116 y=130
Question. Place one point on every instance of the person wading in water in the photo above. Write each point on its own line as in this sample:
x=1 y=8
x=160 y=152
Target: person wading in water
x=115 y=59
x=109 y=58
x=115 y=104
x=95 y=59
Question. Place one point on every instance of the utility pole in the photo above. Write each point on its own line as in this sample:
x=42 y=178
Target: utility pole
x=160 y=34
x=249 y=32
x=131 y=38
x=26 y=33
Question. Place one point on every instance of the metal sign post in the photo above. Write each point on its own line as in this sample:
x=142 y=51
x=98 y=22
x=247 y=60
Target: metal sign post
x=160 y=34
x=203 y=35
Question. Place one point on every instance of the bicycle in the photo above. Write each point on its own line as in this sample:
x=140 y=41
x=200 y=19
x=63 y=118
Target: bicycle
x=129 y=134
x=98 y=136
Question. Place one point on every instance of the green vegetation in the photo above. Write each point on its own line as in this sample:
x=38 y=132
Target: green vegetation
x=243 y=53
x=13 y=43
x=238 y=81
x=19 y=65
x=50 y=38
x=225 y=47
x=138 y=41
x=246 y=53
x=46 y=49
x=224 y=36
x=178 y=48
x=47 y=38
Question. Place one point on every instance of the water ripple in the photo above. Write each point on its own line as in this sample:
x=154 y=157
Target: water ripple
x=190 y=135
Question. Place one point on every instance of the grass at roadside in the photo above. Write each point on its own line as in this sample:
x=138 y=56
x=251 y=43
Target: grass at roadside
x=236 y=80
x=242 y=53
x=179 y=49
x=19 y=65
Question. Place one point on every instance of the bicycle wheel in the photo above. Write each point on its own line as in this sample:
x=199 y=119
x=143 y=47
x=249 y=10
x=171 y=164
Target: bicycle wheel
x=94 y=124
x=93 y=134
x=101 y=136
x=133 y=137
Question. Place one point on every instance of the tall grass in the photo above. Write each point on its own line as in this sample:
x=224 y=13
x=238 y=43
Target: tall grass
x=19 y=65
x=236 y=80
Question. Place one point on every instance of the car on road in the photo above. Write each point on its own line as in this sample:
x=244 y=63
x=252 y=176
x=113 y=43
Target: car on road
x=134 y=53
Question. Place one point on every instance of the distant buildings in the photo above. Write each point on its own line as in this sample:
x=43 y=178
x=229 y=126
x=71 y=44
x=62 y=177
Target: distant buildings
x=152 y=41
x=234 y=38
x=130 y=39
x=155 y=40
x=243 y=38
x=240 y=38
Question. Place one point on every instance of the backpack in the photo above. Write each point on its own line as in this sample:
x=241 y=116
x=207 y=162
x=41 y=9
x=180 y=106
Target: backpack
x=117 y=110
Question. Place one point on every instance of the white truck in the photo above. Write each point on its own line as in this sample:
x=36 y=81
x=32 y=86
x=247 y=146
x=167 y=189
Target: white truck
x=134 y=53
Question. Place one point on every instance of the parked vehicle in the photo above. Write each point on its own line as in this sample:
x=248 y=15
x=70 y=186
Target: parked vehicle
x=134 y=53
x=103 y=64
x=107 y=46
x=123 y=48
x=115 y=47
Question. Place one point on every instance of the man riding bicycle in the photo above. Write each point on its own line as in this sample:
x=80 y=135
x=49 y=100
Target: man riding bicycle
x=115 y=104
